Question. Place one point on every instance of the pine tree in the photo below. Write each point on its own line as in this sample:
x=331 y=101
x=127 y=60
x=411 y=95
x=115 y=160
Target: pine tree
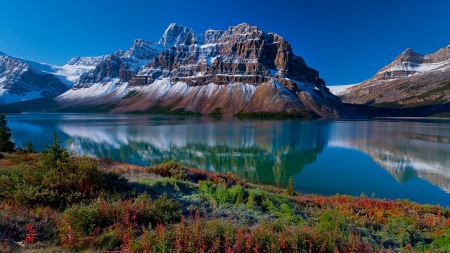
x=29 y=148
x=290 y=189
x=6 y=145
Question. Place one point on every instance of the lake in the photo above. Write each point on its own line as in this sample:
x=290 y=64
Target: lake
x=388 y=158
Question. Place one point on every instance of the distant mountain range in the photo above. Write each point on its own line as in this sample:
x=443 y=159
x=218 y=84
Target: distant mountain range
x=412 y=85
x=239 y=70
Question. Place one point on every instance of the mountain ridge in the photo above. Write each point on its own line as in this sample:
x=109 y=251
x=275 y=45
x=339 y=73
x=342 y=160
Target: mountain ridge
x=412 y=80
x=230 y=60
x=240 y=69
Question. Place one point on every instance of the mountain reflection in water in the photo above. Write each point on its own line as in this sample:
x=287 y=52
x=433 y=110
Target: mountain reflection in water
x=262 y=151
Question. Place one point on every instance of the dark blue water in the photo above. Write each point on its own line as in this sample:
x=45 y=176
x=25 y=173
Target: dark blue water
x=395 y=158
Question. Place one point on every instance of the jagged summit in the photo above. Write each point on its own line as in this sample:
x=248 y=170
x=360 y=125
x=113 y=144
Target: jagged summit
x=243 y=26
x=176 y=34
x=238 y=69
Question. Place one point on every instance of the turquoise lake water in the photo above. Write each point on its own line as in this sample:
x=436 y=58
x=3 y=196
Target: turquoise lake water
x=390 y=158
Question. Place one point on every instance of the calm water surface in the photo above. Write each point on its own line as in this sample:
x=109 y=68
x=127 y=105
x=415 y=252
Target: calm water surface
x=389 y=158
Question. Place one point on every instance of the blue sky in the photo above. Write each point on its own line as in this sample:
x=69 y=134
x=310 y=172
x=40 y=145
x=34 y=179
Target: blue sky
x=347 y=41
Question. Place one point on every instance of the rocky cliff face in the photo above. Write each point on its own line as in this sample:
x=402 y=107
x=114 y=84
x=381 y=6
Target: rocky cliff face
x=118 y=67
x=411 y=80
x=239 y=69
x=19 y=81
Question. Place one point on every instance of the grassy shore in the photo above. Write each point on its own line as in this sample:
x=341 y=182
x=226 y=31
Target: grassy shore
x=59 y=201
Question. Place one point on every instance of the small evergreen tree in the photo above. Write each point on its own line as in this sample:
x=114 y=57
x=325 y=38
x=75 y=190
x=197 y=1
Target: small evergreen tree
x=55 y=153
x=29 y=148
x=290 y=189
x=6 y=145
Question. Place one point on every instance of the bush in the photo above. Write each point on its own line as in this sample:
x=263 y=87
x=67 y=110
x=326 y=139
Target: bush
x=57 y=177
x=114 y=222
x=72 y=177
x=169 y=169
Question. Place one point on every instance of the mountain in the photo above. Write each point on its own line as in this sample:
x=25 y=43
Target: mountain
x=19 y=81
x=22 y=79
x=241 y=69
x=412 y=80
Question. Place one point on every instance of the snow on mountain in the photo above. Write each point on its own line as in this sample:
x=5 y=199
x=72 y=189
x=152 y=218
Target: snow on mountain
x=411 y=80
x=337 y=89
x=176 y=34
x=68 y=73
x=19 y=80
x=241 y=68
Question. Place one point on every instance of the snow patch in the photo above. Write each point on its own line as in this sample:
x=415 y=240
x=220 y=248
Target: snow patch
x=414 y=67
x=210 y=61
x=6 y=97
x=338 y=89
x=96 y=90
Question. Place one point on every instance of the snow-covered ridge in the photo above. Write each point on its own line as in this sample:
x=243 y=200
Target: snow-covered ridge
x=412 y=63
x=68 y=73
x=337 y=89
x=417 y=68
x=23 y=80
x=233 y=69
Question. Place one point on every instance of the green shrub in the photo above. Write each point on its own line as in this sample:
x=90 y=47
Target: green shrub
x=221 y=194
x=110 y=240
x=75 y=174
x=56 y=177
x=251 y=200
x=169 y=169
x=236 y=194
x=216 y=112
x=99 y=216
x=166 y=211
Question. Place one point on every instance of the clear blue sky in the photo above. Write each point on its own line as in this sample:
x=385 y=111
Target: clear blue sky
x=347 y=41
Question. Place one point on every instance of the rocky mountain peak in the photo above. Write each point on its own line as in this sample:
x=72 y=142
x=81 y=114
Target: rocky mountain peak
x=242 y=53
x=20 y=81
x=243 y=28
x=409 y=56
x=442 y=55
x=241 y=68
x=142 y=50
x=176 y=34
x=412 y=79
